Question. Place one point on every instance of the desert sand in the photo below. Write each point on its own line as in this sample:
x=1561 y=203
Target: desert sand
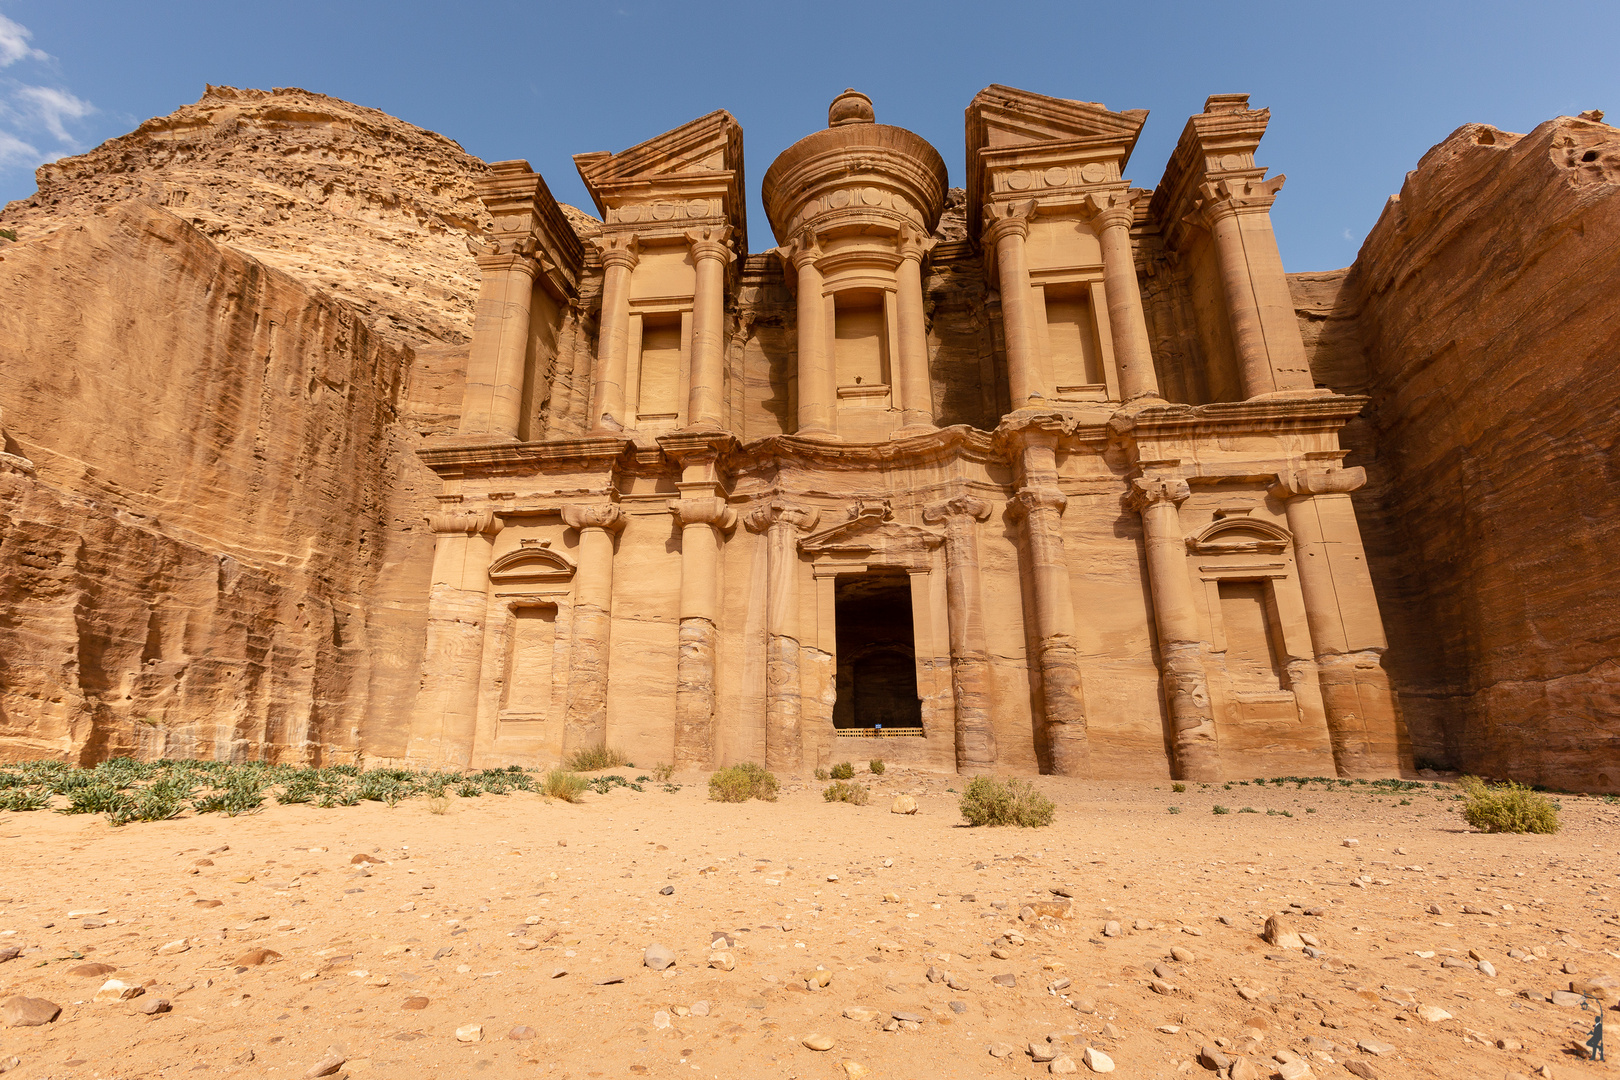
x=507 y=936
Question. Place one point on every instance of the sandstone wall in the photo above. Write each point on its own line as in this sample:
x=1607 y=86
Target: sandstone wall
x=209 y=557
x=1481 y=317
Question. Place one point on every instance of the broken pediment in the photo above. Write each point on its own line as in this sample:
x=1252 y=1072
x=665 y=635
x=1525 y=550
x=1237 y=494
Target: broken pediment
x=1240 y=536
x=533 y=563
x=871 y=531
x=691 y=172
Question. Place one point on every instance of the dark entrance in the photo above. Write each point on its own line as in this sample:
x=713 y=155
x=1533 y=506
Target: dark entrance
x=877 y=654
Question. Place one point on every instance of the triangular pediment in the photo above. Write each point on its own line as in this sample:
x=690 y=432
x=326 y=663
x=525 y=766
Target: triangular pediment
x=709 y=144
x=1001 y=116
x=871 y=529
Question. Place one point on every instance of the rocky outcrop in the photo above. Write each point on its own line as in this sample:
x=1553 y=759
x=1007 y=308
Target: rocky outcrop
x=1481 y=318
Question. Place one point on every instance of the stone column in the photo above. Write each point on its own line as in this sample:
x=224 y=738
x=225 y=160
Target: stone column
x=781 y=522
x=585 y=720
x=970 y=654
x=711 y=254
x=818 y=390
x=916 y=395
x=1265 y=330
x=702 y=522
x=619 y=257
x=492 y=402
x=445 y=719
x=1186 y=683
x=1111 y=216
x=1347 y=633
x=1005 y=228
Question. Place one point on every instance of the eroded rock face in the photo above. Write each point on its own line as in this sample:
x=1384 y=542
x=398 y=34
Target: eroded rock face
x=210 y=505
x=1480 y=316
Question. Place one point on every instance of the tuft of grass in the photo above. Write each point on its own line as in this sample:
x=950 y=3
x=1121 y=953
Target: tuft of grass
x=843 y=791
x=8 y=234
x=877 y=766
x=843 y=771
x=821 y=774
x=1248 y=810
x=24 y=798
x=597 y=758
x=438 y=803
x=989 y=801
x=739 y=783
x=1509 y=807
x=1178 y=788
x=564 y=785
x=1175 y=809
x=662 y=772
x=1220 y=810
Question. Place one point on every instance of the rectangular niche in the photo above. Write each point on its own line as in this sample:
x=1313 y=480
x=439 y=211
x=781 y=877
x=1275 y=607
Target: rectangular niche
x=877 y=655
x=530 y=663
x=861 y=348
x=662 y=350
x=1253 y=646
x=1071 y=328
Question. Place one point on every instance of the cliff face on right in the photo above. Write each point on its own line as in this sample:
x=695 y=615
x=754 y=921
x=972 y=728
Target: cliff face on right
x=1482 y=316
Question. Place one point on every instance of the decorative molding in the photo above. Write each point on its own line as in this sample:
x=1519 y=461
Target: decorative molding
x=533 y=562
x=583 y=516
x=1308 y=481
x=1240 y=536
x=465 y=522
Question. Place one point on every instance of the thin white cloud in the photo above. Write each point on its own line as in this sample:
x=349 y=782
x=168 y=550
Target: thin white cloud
x=49 y=108
x=14 y=44
x=15 y=153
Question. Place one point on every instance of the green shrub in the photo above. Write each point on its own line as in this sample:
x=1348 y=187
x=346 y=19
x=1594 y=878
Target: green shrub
x=843 y=771
x=564 y=785
x=1508 y=807
x=821 y=774
x=739 y=783
x=877 y=766
x=96 y=797
x=842 y=791
x=1175 y=809
x=600 y=757
x=24 y=798
x=8 y=234
x=1248 y=810
x=1220 y=810
x=988 y=801
x=1179 y=789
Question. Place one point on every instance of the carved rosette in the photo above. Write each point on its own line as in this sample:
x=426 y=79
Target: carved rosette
x=584 y=516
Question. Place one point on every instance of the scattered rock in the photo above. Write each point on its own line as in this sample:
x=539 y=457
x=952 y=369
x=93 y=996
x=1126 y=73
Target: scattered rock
x=179 y=945
x=818 y=1041
x=659 y=957
x=662 y=1020
x=328 y=1065
x=470 y=1033
x=854 y=1069
x=722 y=960
x=903 y=804
x=1432 y=1014
x=1243 y=1069
x=153 y=1006
x=1063 y=1063
x=91 y=971
x=1375 y=1048
x=667 y=890
x=1005 y=980
x=1362 y=1069
x=1001 y=1050
x=1096 y=1060
x=1112 y=929
x=1297 y=1069
x=28 y=1012
x=415 y=1004
x=522 y=1033
x=1280 y=932
x=10 y=952
x=117 y=990
x=1211 y=1058
x=1566 y=998
x=255 y=957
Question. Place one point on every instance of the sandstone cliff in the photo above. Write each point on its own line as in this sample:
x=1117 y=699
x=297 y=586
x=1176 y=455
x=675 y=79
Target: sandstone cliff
x=1481 y=317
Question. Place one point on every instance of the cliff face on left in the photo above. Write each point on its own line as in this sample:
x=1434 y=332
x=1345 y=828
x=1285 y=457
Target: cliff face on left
x=222 y=338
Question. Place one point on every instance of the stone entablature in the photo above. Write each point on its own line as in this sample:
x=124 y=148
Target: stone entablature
x=964 y=490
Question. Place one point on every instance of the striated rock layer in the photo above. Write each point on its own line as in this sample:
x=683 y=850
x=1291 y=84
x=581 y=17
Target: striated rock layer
x=1481 y=317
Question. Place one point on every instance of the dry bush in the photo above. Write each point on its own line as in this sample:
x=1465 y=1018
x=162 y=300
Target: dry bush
x=840 y=791
x=988 y=801
x=877 y=766
x=1508 y=807
x=739 y=783
x=843 y=771
x=598 y=757
x=564 y=785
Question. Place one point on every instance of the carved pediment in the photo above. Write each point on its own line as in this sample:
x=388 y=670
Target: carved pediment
x=872 y=531
x=678 y=172
x=533 y=563
x=1240 y=536
x=1001 y=116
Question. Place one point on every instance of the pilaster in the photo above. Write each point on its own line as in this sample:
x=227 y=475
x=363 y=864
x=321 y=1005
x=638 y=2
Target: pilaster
x=585 y=719
x=781 y=522
x=971 y=682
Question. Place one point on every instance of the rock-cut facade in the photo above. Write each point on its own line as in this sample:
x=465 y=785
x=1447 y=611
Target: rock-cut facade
x=1032 y=477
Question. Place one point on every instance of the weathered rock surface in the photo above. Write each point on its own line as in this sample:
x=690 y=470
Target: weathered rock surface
x=1480 y=318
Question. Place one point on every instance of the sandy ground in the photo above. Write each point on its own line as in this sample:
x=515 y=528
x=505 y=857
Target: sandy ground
x=519 y=912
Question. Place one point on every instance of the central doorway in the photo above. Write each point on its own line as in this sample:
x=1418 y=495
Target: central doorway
x=877 y=654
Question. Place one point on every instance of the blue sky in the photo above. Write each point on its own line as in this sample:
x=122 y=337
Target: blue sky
x=1357 y=91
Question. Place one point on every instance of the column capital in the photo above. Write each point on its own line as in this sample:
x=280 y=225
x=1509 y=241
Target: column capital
x=465 y=523
x=1109 y=209
x=800 y=250
x=1308 y=481
x=781 y=512
x=711 y=242
x=914 y=245
x=618 y=249
x=1219 y=198
x=711 y=511
x=584 y=516
x=1003 y=219
x=1147 y=492
x=958 y=506
x=493 y=263
x=1031 y=499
